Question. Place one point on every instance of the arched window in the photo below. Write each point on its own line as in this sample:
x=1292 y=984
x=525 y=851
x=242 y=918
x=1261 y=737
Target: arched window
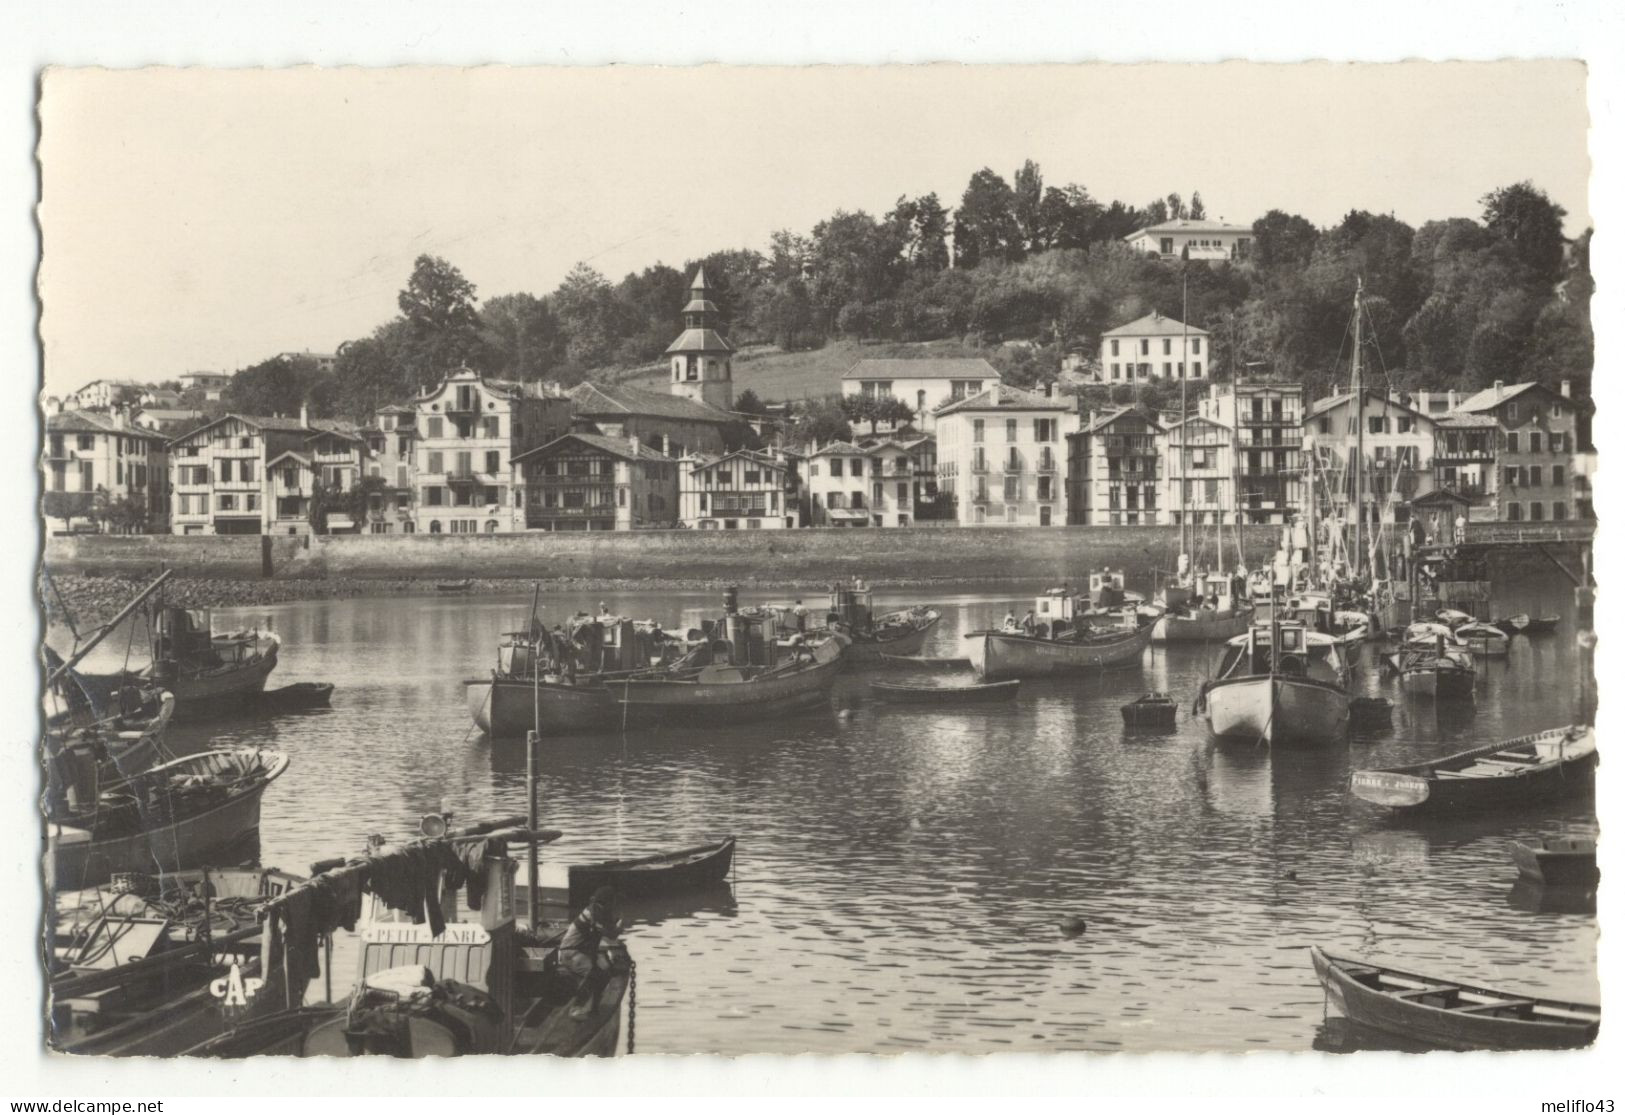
x=434 y=526
x=490 y=526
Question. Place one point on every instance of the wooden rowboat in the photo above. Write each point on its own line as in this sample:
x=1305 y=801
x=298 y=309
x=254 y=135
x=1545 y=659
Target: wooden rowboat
x=1542 y=625
x=1154 y=710
x=925 y=663
x=300 y=695
x=454 y=586
x=1451 y=1014
x=687 y=869
x=1551 y=764
x=945 y=694
x=1560 y=862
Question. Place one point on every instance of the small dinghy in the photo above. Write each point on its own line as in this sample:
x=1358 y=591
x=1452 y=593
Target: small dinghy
x=1154 y=710
x=1560 y=862
x=1450 y=1014
x=454 y=586
x=666 y=873
x=1543 y=625
x=300 y=695
x=901 y=660
x=1545 y=766
x=945 y=694
x=1512 y=625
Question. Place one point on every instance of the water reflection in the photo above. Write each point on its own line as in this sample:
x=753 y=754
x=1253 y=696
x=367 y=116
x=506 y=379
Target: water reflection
x=902 y=871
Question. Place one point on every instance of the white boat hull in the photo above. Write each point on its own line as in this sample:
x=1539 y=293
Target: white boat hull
x=1277 y=710
x=1213 y=627
x=995 y=654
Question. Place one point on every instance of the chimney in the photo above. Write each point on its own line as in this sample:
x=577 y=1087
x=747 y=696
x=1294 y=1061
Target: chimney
x=636 y=446
x=1049 y=388
x=1566 y=388
x=1497 y=389
x=1452 y=399
x=304 y=414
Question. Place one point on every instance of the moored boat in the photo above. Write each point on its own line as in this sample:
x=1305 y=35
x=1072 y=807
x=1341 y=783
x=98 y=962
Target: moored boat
x=1483 y=639
x=1542 y=625
x=1430 y=663
x=1216 y=615
x=1513 y=625
x=121 y=736
x=1152 y=711
x=945 y=694
x=168 y=817
x=1558 y=862
x=733 y=690
x=210 y=674
x=1064 y=637
x=1279 y=683
x=1541 y=767
x=298 y=696
x=1450 y=1013
x=462 y=585
x=472 y=981
x=657 y=874
x=871 y=637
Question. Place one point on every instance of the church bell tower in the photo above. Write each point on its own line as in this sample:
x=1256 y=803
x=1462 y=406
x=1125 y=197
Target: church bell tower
x=701 y=360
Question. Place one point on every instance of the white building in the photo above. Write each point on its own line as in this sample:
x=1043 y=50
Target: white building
x=925 y=383
x=105 y=394
x=1154 y=347
x=701 y=358
x=108 y=460
x=212 y=383
x=743 y=489
x=1199 y=471
x=1399 y=445
x=1198 y=240
x=217 y=473
x=1001 y=454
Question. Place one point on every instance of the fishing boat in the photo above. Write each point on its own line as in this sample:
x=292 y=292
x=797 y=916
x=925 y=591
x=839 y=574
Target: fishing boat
x=1279 y=683
x=1513 y=625
x=471 y=981
x=1483 y=639
x=210 y=673
x=945 y=694
x=1215 y=615
x=1558 y=862
x=1064 y=637
x=1152 y=711
x=1545 y=766
x=733 y=688
x=122 y=734
x=169 y=817
x=872 y=638
x=650 y=875
x=555 y=682
x=135 y=965
x=1542 y=625
x=1432 y=664
x=1450 y=1013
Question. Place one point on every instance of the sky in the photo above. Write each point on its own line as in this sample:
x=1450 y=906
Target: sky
x=196 y=219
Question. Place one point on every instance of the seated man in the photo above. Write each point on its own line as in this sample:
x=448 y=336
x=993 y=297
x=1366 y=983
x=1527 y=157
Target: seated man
x=581 y=955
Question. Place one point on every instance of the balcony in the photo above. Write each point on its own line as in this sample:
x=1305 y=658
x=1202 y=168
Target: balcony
x=1012 y=468
x=1248 y=419
x=597 y=510
x=979 y=467
x=463 y=404
x=462 y=476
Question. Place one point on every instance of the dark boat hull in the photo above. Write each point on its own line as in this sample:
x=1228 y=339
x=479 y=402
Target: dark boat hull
x=1422 y=1019
x=1439 y=787
x=506 y=708
x=1570 y=863
x=655 y=702
x=688 y=869
x=945 y=694
x=999 y=654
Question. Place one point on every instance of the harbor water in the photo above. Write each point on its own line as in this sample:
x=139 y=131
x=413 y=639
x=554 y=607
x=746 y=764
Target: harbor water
x=902 y=870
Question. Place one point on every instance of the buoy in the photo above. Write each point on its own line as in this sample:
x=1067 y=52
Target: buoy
x=1293 y=875
x=844 y=714
x=1073 y=927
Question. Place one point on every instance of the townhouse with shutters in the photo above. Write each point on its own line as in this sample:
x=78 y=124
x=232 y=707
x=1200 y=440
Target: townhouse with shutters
x=746 y=489
x=391 y=439
x=589 y=482
x=1000 y=456
x=1511 y=450
x=218 y=473
x=875 y=482
x=1154 y=347
x=1198 y=462
x=106 y=461
x=1114 y=470
x=1266 y=417
x=1399 y=447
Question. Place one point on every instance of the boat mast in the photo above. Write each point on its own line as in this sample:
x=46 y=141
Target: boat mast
x=1359 y=438
x=533 y=746
x=1184 y=417
x=106 y=629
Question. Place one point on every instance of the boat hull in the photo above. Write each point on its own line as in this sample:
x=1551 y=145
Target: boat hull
x=1440 y=684
x=220 y=692
x=1211 y=628
x=1435 y=1025
x=654 y=702
x=945 y=694
x=871 y=648
x=675 y=871
x=995 y=655
x=1421 y=787
x=1573 y=865
x=506 y=708
x=1277 y=710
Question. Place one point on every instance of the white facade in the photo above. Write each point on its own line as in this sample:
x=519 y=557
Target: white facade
x=213 y=383
x=1399 y=447
x=218 y=473
x=105 y=394
x=1154 y=347
x=1002 y=454
x=86 y=453
x=924 y=384
x=1211 y=241
x=1198 y=468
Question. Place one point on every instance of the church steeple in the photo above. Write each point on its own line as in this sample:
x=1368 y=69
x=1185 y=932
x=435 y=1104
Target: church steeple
x=701 y=358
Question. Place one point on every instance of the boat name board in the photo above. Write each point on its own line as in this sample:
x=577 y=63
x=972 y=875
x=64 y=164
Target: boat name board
x=459 y=933
x=1383 y=788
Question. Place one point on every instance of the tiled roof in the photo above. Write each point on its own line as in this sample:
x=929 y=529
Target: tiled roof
x=268 y=423
x=923 y=367
x=295 y=454
x=1456 y=419
x=617 y=446
x=1154 y=325
x=1000 y=397
x=1331 y=402
x=592 y=399
x=89 y=422
x=1107 y=418
x=1189 y=226
x=844 y=448
x=700 y=340
x=1490 y=397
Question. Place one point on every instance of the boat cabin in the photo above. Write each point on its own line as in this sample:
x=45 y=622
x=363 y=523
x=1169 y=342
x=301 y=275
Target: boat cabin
x=1106 y=589
x=604 y=644
x=1301 y=652
x=852 y=605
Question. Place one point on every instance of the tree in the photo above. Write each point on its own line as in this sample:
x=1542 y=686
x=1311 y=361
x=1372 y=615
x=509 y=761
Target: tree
x=1198 y=210
x=1176 y=208
x=443 y=327
x=1156 y=211
x=1068 y=217
x=358 y=500
x=589 y=314
x=784 y=311
x=855 y=260
x=985 y=223
x=1283 y=239
x=521 y=338
x=1532 y=223
x=126 y=515
x=67 y=506
x=1026 y=207
x=921 y=225
x=280 y=385
x=820 y=420
x=748 y=403
x=374 y=371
